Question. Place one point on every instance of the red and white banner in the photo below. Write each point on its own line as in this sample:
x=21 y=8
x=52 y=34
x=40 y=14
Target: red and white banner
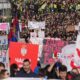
x=20 y=51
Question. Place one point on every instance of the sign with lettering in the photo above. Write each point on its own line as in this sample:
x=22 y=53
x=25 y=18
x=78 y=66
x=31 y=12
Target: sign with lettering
x=36 y=25
x=50 y=49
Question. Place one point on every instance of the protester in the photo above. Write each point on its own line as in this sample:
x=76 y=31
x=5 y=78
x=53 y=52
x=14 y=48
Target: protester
x=73 y=73
x=37 y=68
x=4 y=74
x=63 y=72
x=53 y=70
x=13 y=70
x=75 y=70
x=58 y=15
x=26 y=71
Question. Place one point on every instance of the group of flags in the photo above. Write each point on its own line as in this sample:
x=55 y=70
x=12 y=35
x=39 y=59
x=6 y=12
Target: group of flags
x=14 y=29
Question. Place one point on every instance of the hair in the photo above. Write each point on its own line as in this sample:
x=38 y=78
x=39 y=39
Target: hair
x=62 y=68
x=57 y=64
x=13 y=67
x=2 y=64
x=26 y=38
x=38 y=64
x=75 y=68
x=27 y=60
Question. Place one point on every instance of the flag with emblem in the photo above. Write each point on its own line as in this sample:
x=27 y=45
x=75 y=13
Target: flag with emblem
x=20 y=51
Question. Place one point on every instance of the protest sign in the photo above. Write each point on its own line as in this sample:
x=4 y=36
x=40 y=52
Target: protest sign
x=50 y=48
x=36 y=25
x=4 y=27
x=23 y=51
x=4 y=51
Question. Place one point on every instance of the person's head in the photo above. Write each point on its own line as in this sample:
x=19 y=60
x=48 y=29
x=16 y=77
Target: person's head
x=26 y=65
x=2 y=66
x=13 y=70
x=38 y=64
x=27 y=38
x=56 y=67
x=4 y=74
x=57 y=64
x=75 y=70
x=62 y=71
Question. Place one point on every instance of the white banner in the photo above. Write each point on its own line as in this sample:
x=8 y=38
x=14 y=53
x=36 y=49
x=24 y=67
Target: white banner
x=36 y=25
x=67 y=55
x=38 y=41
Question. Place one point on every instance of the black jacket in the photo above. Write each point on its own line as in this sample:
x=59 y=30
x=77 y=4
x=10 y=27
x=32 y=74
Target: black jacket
x=22 y=73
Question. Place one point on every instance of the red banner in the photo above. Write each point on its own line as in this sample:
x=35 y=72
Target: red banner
x=20 y=51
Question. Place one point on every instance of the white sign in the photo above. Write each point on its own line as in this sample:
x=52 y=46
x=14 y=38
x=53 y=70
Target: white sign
x=36 y=25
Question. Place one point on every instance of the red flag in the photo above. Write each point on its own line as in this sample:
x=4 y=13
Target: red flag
x=20 y=51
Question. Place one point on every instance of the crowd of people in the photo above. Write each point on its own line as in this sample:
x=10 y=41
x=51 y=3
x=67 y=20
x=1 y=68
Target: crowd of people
x=61 y=16
x=51 y=71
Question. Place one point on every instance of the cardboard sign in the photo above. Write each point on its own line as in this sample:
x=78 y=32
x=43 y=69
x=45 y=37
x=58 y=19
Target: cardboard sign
x=20 y=51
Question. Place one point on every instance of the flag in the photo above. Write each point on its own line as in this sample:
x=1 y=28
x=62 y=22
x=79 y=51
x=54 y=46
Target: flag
x=20 y=51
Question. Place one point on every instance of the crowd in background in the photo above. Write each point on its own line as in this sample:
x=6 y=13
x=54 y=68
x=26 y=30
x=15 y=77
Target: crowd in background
x=61 y=16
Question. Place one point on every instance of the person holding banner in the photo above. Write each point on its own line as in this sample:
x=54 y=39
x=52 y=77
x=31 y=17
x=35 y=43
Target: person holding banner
x=26 y=71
